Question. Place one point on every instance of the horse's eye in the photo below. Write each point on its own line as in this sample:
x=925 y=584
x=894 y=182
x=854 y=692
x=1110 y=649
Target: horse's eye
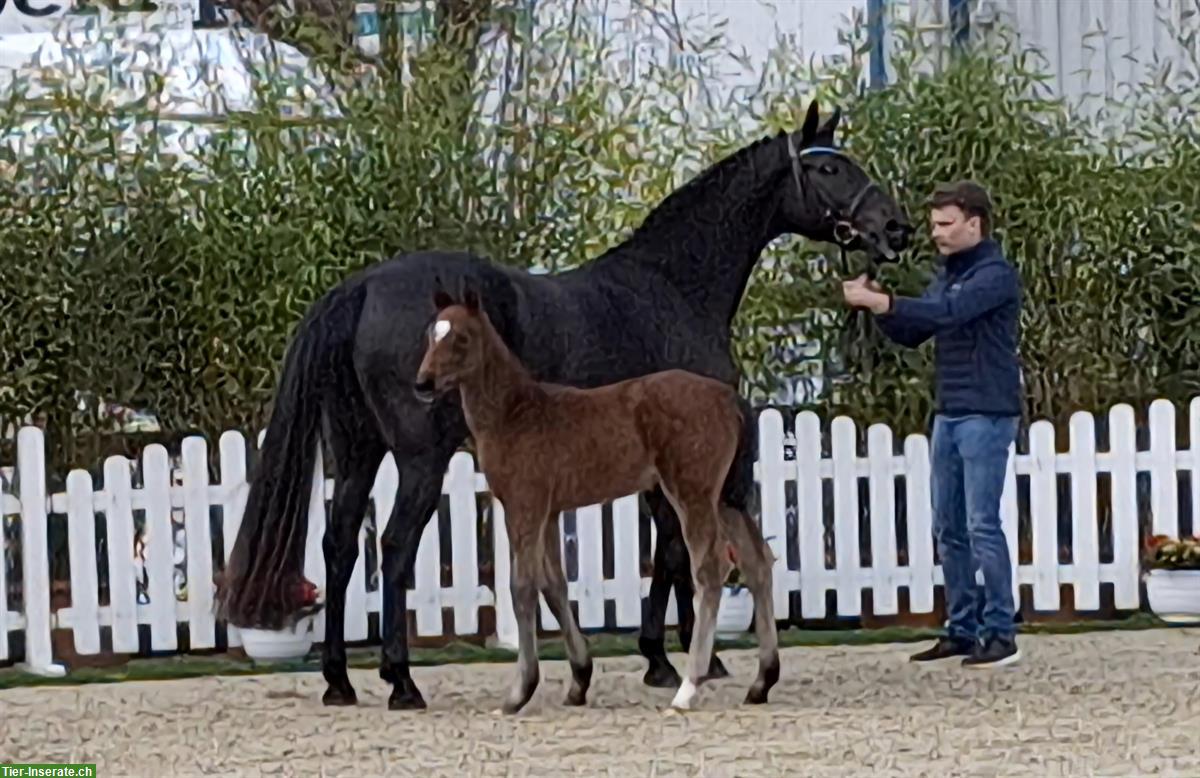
x=827 y=170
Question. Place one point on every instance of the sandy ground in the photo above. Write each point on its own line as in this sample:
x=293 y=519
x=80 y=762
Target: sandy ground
x=1119 y=703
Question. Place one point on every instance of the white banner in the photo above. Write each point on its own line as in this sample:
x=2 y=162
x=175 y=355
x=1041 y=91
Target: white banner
x=17 y=16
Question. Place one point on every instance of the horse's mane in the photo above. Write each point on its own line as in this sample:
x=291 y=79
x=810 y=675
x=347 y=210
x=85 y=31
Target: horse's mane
x=684 y=198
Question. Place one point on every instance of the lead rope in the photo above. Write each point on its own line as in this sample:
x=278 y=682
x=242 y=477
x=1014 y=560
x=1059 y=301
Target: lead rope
x=857 y=342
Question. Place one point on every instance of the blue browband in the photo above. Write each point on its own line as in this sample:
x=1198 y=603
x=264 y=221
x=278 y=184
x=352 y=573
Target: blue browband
x=819 y=150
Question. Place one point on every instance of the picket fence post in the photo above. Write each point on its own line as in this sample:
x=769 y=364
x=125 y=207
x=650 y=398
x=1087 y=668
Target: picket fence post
x=919 y=505
x=1122 y=435
x=35 y=555
x=506 y=620
x=81 y=539
x=5 y=507
x=464 y=522
x=773 y=506
x=810 y=515
x=237 y=489
x=884 y=585
x=202 y=626
x=122 y=588
x=1164 y=486
x=160 y=549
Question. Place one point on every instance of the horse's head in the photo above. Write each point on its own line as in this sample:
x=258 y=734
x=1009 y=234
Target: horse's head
x=454 y=348
x=829 y=197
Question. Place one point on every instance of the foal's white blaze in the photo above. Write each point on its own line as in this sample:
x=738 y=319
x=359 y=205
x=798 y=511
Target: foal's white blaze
x=440 y=330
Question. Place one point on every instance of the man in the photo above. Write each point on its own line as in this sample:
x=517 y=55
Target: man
x=971 y=309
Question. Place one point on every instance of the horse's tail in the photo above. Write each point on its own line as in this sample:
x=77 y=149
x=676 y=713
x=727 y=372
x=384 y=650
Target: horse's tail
x=738 y=490
x=263 y=582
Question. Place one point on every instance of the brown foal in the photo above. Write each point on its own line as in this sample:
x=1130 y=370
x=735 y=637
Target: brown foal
x=545 y=448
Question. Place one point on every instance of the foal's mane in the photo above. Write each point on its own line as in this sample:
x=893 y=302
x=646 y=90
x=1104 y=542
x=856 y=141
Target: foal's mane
x=494 y=343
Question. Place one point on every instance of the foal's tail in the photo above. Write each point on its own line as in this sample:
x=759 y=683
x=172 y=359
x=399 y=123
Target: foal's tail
x=263 y=583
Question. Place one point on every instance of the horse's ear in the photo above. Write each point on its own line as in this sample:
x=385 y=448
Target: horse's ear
x=824 y=136
x=809 y=131
x=442 y=300
x=471 y=299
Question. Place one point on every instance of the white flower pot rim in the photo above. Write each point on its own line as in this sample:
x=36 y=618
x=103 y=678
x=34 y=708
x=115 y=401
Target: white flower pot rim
x=279 y=644
x=1174 y=595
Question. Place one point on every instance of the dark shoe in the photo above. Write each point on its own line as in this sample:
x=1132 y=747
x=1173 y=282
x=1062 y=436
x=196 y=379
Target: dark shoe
x=945 y=647
x=994 y=652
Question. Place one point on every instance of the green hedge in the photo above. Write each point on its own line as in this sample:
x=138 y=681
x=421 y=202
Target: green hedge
x=131 y=277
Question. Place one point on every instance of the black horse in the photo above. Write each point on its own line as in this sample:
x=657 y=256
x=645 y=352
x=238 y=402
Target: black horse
x=665 y=298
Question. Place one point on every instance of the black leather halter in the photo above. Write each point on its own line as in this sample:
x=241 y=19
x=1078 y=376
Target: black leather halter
x=844 y=233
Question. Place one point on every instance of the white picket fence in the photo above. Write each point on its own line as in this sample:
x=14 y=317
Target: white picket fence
x=165 y=493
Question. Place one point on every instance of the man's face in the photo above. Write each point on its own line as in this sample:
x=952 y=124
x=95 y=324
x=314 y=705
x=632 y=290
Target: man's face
x=952 y=230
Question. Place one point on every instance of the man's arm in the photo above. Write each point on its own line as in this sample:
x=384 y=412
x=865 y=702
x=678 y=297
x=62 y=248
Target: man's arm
x=903 y=332
x=941 y=309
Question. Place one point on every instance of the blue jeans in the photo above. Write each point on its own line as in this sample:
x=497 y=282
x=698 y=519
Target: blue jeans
x=969 y=460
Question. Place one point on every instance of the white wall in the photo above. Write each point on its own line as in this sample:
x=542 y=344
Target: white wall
x=1095 y=49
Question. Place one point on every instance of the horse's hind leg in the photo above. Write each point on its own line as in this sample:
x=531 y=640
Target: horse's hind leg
x=417 y=497
x=755 y=560
x=554 y=588
x=357 y=453
x=672 y=567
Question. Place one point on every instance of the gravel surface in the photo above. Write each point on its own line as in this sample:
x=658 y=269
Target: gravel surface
x=1114 y=703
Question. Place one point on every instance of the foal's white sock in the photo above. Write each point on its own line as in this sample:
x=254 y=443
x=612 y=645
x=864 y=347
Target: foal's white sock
x=685 y=695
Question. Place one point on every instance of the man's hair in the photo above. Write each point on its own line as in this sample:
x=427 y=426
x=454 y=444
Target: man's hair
x=971 y=198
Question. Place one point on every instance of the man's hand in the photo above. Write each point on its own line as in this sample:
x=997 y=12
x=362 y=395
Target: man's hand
x=862 y=292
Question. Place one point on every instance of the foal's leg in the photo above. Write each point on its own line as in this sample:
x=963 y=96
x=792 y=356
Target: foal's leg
x=672 y=567
x=702 y=533
x=755 y=560
x=554 y=589
x=524 y=550
x=709 y=573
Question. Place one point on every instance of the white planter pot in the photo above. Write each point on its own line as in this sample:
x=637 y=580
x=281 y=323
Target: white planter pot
x=1174 y=595
x=736 y=612
x=269 y=645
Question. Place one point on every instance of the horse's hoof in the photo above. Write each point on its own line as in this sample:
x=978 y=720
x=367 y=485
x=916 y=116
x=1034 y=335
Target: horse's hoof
x=512 y=707
x=576 y=698
x=716 y=669
x=340 y=696
x=662 y=676
x=755 y=696
x=406 y=699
